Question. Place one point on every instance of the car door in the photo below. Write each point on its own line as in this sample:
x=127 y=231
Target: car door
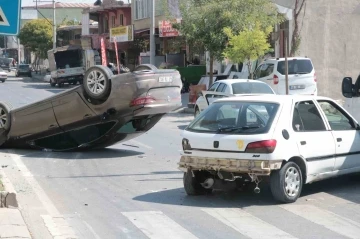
x=313 y=137
x=34 y=120
x=345 y=133
x=202 y=102
x=70 y=110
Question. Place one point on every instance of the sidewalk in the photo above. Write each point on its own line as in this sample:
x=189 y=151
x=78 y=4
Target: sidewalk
x=12 y=224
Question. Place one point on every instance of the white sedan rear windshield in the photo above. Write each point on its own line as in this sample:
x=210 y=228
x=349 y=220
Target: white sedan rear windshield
x=235 y=118
x=251 y=88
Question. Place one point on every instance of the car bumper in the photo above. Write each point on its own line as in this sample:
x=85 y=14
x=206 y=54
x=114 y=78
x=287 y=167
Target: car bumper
x=258 y=167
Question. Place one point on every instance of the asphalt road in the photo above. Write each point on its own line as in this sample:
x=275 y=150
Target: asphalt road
x=134 y=190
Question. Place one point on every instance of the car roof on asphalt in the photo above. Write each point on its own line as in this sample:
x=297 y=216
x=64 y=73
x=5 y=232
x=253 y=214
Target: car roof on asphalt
x=273 y=98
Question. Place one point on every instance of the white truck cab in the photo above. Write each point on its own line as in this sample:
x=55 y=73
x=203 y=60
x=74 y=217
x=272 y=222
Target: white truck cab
x=351 y=92
x=69 y=63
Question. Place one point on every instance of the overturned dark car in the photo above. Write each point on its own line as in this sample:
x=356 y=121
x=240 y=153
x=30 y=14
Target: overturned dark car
x=105 y=110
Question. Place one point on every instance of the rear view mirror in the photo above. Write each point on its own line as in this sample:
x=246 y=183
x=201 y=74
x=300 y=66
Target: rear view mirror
x=347 y=87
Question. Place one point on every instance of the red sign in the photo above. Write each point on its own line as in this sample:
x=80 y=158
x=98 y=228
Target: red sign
x=103 y=52
x=117 y=55
x=166 y=29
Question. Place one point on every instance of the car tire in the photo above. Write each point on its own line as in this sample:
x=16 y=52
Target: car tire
x=52 y=82
x=192 y=186
x=286 y=183
x=197 y=111
x=3 y=81
x=97 y=83
x=5 y=117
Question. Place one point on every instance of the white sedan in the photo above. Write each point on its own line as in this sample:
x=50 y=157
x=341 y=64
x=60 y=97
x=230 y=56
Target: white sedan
x=3 y=75
x=230 y=87
x=290 y=140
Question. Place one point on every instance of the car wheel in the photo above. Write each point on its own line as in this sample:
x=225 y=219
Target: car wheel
x=5 y=117
x=97 y=83
x=197 y=112
x=286 y=183
x=3 y=81
x=52 y=82
x=192 y=186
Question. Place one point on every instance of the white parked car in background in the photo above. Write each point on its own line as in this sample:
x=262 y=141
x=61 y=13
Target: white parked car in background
x=301 y=72
x=3 y=75
x=230 y=87
x=292 y=140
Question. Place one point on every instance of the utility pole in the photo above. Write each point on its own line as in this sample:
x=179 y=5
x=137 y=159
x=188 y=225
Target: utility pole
x=5 y=45
x=19 y=51
x=286 y=65
x=152 y=32
x=54 y=25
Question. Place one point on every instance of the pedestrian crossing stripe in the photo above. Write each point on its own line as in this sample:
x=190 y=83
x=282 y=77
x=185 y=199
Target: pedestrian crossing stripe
x=156 y=225
x=3 y=19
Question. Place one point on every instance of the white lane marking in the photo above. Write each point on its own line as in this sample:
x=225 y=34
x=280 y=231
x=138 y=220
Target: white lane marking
x=156 y=225
x=141 y=144
x=44 y=199
x=247 y=224
x=331 y=221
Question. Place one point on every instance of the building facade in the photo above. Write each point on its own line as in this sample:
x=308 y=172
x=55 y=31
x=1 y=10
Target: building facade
x=113 y=17
x=330 y=37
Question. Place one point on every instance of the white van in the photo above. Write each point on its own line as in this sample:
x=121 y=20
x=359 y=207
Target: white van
x=302 y=76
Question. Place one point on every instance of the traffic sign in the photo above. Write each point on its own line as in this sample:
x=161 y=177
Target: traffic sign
x=10 y=17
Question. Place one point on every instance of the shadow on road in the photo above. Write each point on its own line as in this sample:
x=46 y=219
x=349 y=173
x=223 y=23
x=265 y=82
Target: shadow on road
x=93 y=154
x=121 y=175
x=346 y=187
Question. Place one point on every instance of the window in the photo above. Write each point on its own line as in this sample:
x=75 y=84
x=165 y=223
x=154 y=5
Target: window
x=105 y=25
x=221 y=87
x=142 y=9
x=264 y=70
x=213 y=87
x=121 y=19
x=295 y=67
x=113 y=21
x=251 y=87
x=337 y=119
x=307 y=117
x=75 y=138
x=139 y=125
x=236 y=118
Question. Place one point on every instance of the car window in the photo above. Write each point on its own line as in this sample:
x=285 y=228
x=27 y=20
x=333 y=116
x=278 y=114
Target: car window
x=303 y=66
x=221 y=87
x=257 y=72
x=337 y=119
x=307 y=117
x=266 y=70
x=213 y=87
x=251 y=87
x=74 y=138
x=236 y=118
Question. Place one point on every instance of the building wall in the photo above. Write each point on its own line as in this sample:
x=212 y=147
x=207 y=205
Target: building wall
x=331 y=38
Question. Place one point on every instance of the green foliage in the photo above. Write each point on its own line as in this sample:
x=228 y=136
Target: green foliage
x=248 y=45
x=37 y=36
x=204 y=20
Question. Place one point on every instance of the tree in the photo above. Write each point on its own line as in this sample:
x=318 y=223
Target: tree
x=295 y=40
x=36 y=35
x=248 y=45
x=203 y=22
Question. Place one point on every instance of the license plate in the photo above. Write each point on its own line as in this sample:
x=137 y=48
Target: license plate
x=165 y=79
x=297 y=87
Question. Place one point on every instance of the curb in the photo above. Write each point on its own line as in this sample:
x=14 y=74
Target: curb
x=7 y=198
